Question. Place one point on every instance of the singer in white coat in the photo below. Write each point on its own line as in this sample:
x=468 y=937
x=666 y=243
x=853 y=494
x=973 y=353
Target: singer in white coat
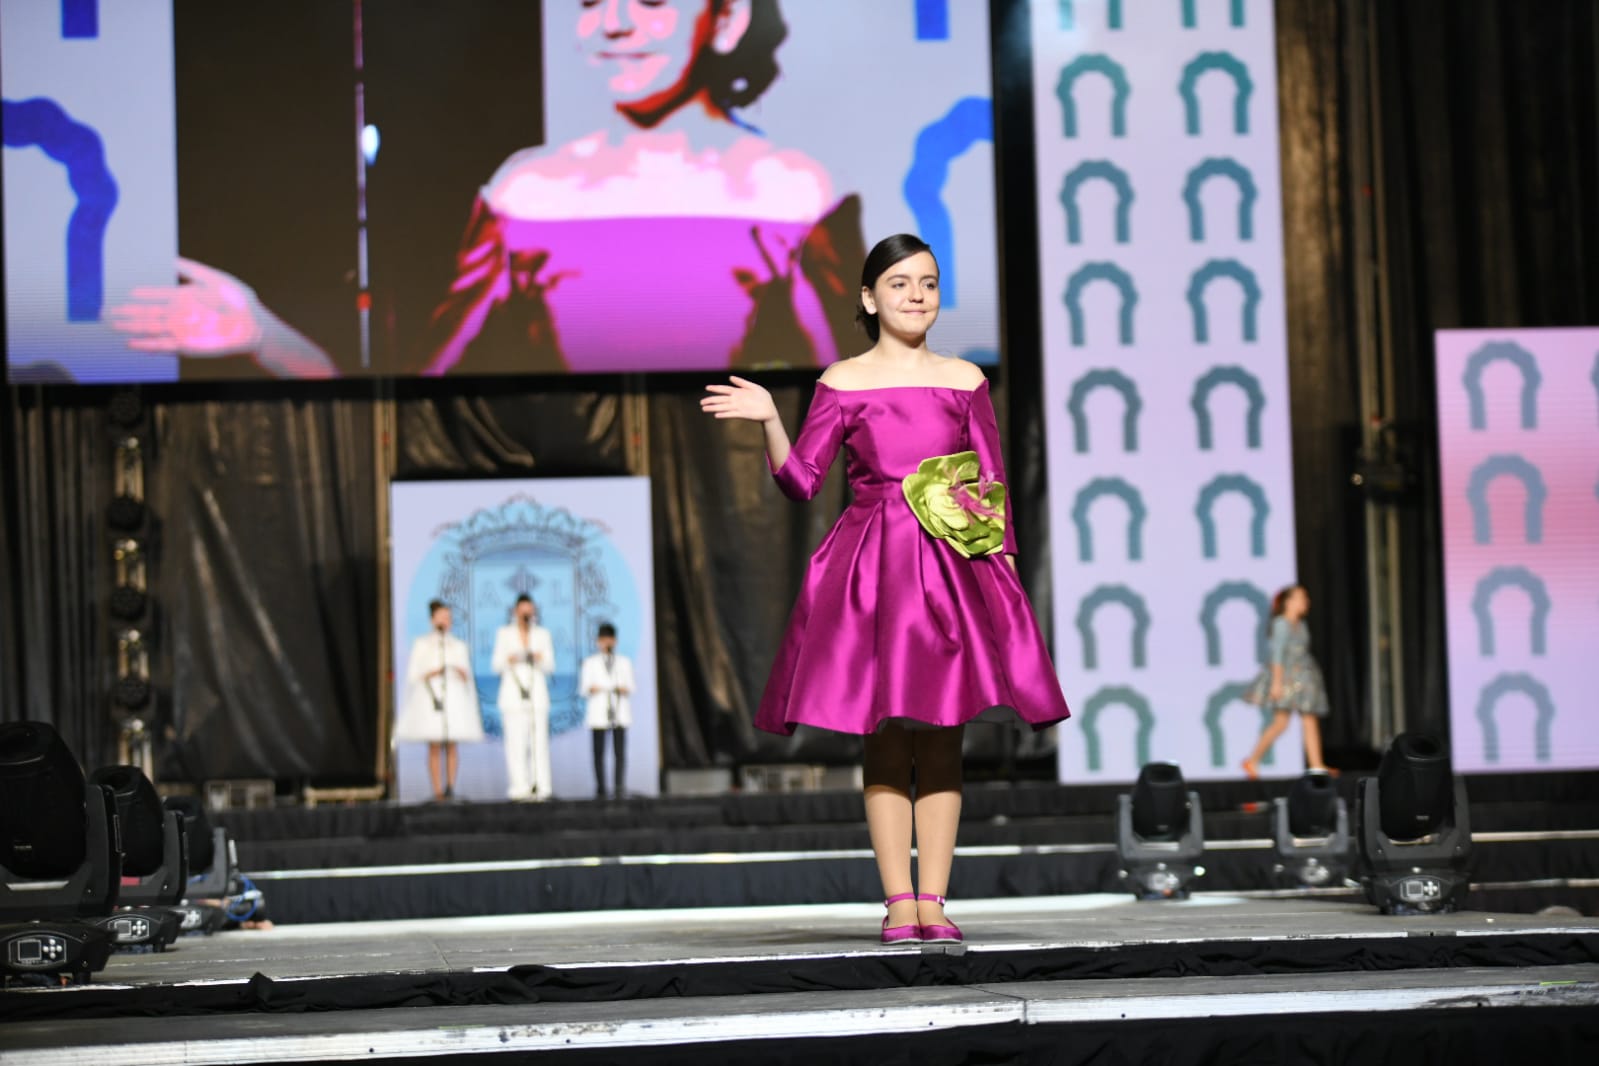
x=524 y=657
x=441 y=705
x=607 y=680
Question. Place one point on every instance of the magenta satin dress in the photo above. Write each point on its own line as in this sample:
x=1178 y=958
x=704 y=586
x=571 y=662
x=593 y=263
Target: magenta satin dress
x=891 y=622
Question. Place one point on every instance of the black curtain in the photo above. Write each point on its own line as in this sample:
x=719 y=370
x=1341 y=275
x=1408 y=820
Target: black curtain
x=55 y=558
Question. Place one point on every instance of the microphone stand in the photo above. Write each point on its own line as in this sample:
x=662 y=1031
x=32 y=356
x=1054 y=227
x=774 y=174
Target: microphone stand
x=444 y=709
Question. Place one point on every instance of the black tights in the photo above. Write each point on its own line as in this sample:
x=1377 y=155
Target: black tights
x=619 y=748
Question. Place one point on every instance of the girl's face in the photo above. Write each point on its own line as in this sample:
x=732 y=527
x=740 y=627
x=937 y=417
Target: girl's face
x=1297 y=605
x=905 y=298
x=645 y=48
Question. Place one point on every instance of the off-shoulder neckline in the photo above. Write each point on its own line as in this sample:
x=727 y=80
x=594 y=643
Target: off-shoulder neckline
x=894 y=388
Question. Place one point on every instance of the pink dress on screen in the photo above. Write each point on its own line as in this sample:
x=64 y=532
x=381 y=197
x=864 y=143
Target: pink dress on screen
x=892 y=623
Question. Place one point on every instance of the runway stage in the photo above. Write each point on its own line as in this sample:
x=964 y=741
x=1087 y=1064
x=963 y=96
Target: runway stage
x=1062 y=979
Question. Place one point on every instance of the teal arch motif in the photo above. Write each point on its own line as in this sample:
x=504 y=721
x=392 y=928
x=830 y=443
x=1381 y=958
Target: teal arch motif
x=1232 y=692
x=1247 y=195
x=1522 y=360
x=1200 y=402
x=1488 y=705
x=1105 y=379
x=1136 y=513
x=1094 y=63
x=1214 y=601
x=1496 y=466
x=1207 y=503
x=1223 y=268
x=1105 y=170
x=1068 y=15
x=1228 y=64
x=1091 y=272
x=1119 y=695
x=1089 y=609
x=1501 y=577
x=1594 y=377
x=1191 y=17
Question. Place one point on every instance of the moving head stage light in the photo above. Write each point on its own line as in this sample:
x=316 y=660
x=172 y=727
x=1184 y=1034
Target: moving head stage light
x=1415 y=829
x=60 y=858
x=1160 y=835
x=154 y=861
x=213 y=867
x=1310 y=833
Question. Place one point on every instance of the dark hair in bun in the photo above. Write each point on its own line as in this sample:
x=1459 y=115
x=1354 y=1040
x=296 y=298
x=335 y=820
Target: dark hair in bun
x=884 y=254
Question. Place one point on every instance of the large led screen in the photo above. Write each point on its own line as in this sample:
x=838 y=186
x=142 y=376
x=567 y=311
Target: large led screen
x=1518 y=443
x=323 y=188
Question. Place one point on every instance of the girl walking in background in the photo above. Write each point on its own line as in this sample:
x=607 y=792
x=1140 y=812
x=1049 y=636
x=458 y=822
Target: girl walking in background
x=1290 y=682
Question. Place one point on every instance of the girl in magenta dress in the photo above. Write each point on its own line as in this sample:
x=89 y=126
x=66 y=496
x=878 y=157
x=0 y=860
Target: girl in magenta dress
x=898 y=634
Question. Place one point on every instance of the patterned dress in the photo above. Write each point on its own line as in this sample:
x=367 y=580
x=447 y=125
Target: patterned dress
x=1303 y=690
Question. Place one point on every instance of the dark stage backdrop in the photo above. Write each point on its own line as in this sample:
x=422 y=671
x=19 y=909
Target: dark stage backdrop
x=267 y=553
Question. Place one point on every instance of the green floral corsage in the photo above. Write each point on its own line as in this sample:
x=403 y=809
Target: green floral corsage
x=956 y=502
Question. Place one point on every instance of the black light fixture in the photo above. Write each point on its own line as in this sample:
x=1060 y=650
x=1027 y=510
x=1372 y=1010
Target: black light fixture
x=1160 y=835
x=1310 y=833
x=1415 y=829
x=213 y=867
x=126 y=512
x=132 y=691
x=59 y=859
x=130 y=597
x=154 y=861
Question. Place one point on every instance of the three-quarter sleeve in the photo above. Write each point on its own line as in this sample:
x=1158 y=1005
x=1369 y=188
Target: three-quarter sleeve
x=1277 y=648
x=983 y=437
x=811 y=456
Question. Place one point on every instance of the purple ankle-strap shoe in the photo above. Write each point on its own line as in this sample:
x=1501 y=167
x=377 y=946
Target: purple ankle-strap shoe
x=939 y=934
x=901 y=934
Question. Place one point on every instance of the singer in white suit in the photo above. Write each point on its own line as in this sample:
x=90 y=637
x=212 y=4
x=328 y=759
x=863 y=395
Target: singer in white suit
x=441 y=705
x=524 y=657
x=607 y=680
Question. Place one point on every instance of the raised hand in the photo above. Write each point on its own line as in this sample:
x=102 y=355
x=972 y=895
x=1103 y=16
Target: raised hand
x=214 y=314
x=742 y=399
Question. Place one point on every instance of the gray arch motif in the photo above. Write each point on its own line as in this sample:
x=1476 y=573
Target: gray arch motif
x=1105 y=379
x=1200 y=402
x=1231 y=692
x=1488 y=705
x=1228 y=64
x=1501 y=577
x=1247 y=194
x=1105 y=170
x=1515 y=466
x=1531 y=378
x=1113 y=14
x=1123 y=696
x=1094 y=63
x=1223 y=268
x=1136 y=513
x=1191 y=17
x=1089 y=608
x=1100 y=271
x=1206 y=506
x=1214 y=601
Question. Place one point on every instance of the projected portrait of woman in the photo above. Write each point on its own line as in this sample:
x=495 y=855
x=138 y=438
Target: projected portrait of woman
x=670 y=234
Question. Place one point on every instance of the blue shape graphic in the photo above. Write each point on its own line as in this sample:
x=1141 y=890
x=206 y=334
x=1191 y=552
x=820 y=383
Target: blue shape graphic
x=1218 y=597
x=1119 y=695
x=1228 y=64
x=1205 y=509
x=1094 y=63
x=1488 y=705
x=1506 y=577
x=1522 y=360
x=80 y=19
x=1136 y=513
x=1090 y=606
x=1090 y=272
x=1247 y=194
x=1068 y=15
x=1200 y=402
x=969 y=122
x=41 y=123
x=1223 y=268
x=1105 y=379
x=1515 y=466
x=1107 y=171
x=932 y=20
x=1232 y=692
x=1191 y=17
